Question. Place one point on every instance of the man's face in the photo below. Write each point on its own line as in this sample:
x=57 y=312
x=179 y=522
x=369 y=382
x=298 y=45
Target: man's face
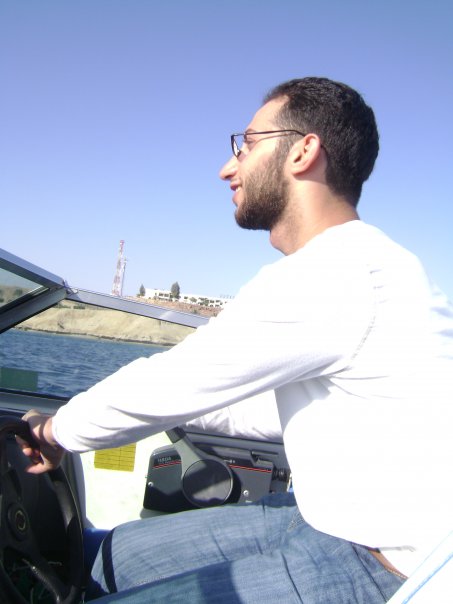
x=265 y=196
x=257 y=175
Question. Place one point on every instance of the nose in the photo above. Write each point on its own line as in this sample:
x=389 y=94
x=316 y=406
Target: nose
x=229 y=169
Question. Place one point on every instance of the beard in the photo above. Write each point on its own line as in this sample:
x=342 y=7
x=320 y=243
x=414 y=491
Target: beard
x=265 y=196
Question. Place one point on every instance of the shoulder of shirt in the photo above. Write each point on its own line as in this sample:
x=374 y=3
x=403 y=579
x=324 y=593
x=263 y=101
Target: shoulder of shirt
x=334 y=249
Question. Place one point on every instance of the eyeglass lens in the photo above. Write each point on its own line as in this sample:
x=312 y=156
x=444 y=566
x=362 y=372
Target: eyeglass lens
x=238 y=141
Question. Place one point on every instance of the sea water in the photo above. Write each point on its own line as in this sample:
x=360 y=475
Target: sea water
x=66 y=365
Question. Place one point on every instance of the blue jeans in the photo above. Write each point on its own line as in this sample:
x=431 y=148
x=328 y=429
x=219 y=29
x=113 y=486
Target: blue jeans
x=236 y=554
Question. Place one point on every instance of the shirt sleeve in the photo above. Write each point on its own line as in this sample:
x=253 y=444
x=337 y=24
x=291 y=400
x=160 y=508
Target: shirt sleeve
x=282 y=327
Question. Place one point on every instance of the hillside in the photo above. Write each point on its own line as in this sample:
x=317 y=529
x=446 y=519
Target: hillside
x=77 y=319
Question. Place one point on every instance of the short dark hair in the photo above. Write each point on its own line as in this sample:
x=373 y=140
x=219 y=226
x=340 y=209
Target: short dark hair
x=343 y=121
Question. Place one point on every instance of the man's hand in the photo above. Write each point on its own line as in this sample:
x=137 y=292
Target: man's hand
x=45 y=453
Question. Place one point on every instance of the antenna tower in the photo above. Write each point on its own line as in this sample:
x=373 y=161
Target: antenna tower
x=117 y=288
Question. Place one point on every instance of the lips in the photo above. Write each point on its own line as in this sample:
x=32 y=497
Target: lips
x=235 y=188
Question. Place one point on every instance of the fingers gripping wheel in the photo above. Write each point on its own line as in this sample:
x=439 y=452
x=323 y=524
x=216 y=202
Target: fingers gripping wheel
x=41 y=546
x=206 y=480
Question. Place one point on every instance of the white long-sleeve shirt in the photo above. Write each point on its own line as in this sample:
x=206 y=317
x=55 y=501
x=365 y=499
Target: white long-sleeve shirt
x=358 y=347
x=255 y=418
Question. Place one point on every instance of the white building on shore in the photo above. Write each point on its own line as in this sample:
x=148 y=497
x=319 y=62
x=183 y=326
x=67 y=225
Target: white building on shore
x=165 y=294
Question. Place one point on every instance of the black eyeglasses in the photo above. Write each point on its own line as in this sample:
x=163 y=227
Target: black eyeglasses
x=237 y=140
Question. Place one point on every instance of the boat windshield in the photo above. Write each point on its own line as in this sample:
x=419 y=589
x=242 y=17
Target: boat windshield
x=58 y=340
x=14 y=287
x=25 y=289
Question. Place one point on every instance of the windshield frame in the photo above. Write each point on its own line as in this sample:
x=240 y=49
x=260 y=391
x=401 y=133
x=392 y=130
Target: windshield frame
x=50 y=290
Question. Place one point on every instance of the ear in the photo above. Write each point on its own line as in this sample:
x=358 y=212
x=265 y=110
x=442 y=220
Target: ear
x=304 y=154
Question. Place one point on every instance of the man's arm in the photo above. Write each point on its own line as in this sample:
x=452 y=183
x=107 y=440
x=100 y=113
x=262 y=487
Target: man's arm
x=260 y=342
x=256 y=417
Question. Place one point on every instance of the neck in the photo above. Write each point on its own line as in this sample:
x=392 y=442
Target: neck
x=302 y=222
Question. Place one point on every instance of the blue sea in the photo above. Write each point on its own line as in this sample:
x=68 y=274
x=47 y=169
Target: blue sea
x=67 y=365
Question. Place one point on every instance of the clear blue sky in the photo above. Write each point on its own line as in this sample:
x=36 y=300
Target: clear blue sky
x=115 y=118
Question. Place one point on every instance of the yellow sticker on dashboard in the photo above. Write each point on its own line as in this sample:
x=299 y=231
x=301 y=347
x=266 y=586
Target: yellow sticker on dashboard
x=121 y=459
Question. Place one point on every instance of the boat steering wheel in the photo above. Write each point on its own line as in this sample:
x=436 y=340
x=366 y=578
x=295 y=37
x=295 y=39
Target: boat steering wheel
x=41 y=545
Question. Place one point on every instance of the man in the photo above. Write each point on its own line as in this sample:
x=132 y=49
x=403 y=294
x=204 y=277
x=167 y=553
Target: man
x=357 y=346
